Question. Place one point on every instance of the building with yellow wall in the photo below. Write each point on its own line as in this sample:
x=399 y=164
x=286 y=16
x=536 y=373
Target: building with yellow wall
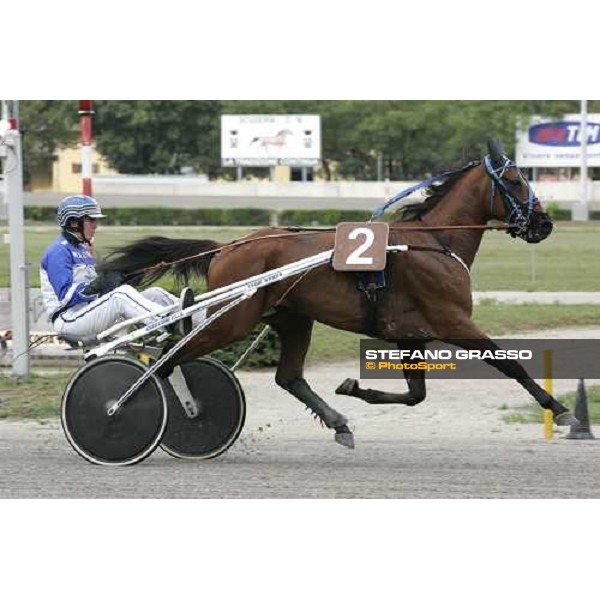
x=66 y=169
x=64 y=173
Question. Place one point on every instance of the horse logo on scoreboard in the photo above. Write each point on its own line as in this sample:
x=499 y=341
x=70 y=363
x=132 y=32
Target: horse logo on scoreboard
x=278 y=140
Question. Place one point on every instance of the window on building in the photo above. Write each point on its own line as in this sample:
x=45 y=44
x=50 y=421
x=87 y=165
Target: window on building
x=76 y=168
x=95 y=168
x=296 y=174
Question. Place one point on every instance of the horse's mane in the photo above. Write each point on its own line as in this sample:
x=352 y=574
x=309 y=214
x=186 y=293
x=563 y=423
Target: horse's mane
x=433 y=195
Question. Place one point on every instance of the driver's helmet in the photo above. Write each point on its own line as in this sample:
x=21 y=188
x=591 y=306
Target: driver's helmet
x=77 y=207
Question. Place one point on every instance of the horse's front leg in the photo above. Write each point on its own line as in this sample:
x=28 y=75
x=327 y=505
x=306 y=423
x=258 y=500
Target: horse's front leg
x=416 y=387
x=295 y=332
x=513 y=369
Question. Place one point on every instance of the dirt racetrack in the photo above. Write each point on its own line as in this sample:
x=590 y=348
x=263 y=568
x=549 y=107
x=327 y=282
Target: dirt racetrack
x=453 y=445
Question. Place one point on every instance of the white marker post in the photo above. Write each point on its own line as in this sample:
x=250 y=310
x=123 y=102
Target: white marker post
x=13 y=173
x=583 y=131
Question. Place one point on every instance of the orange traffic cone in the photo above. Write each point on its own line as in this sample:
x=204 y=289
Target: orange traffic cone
x=581 y=431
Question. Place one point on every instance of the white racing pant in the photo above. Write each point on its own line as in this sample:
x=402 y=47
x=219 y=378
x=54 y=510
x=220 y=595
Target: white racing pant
x=122 y=303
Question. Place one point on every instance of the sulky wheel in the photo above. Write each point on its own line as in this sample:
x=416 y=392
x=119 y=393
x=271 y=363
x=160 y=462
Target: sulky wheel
x=133 y=432
x=214 y=411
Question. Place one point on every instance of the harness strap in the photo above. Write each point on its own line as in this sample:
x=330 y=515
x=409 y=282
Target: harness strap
x=371 y=313
x=445 y=250
x=373 y=294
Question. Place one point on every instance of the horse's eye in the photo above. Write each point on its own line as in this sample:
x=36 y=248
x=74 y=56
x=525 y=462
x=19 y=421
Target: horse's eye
x=515 y=183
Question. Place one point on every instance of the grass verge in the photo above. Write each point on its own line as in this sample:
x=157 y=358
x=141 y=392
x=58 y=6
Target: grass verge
x=35 y=397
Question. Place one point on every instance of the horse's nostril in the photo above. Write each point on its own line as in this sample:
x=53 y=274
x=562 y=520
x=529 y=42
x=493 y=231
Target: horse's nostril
x=546 y=227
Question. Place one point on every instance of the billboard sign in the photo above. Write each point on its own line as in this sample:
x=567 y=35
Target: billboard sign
x=547 y=143
x=270 y=140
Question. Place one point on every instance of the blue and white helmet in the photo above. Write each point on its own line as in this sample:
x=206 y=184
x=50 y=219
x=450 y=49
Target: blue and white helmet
x=77 y=207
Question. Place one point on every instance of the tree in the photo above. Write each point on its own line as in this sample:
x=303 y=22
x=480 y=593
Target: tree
x=418 y=138
x=46 y=124
x=158 y=136
x=414 y=138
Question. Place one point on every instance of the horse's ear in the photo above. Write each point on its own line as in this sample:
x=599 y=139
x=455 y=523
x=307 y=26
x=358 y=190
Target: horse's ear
x=496 y=149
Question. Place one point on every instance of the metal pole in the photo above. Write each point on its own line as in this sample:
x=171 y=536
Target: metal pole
x=3 y=120
x=584 y=215
x=13 y=172
x=532 y=270
x=251 y=347
x=86 y=111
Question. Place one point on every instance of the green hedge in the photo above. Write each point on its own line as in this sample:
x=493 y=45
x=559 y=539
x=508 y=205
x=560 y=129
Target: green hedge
x=250 y=217
x=210 y=216
x=564 y=214
x=266 y=354
x=325 y=217
x=558 y=214
x=161 y=216
x=40 y=213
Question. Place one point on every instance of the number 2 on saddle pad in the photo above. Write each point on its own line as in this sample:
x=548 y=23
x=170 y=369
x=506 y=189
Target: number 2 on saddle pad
x=360 y=246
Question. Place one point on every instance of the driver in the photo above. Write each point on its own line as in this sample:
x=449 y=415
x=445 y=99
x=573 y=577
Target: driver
x=78 y=301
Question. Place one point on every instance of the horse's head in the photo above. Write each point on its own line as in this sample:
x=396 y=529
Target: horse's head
x=513 y=199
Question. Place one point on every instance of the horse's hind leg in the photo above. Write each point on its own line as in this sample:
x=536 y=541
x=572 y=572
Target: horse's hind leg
x=416 y=391
x=416 y=387
x=295 y=331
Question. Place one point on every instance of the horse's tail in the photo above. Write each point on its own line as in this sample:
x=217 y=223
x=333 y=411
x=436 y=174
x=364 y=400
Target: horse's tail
x=144 y=261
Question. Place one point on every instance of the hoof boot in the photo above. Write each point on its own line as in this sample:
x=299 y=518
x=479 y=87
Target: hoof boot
x=566 y=419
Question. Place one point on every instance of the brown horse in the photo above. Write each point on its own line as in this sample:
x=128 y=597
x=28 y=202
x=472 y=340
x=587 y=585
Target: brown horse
x=428 y=292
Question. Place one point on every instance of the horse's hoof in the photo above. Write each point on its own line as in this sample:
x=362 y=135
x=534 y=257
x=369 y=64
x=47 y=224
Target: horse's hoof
x=566 y=419
x=347 y=387
x=345 y=437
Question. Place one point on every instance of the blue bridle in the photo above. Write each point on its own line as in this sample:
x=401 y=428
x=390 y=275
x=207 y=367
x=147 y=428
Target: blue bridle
x=512 y=205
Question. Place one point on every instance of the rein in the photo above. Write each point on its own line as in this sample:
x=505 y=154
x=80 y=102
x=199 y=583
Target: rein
x=420 y=228
x=164 y=264
x=494 y=174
